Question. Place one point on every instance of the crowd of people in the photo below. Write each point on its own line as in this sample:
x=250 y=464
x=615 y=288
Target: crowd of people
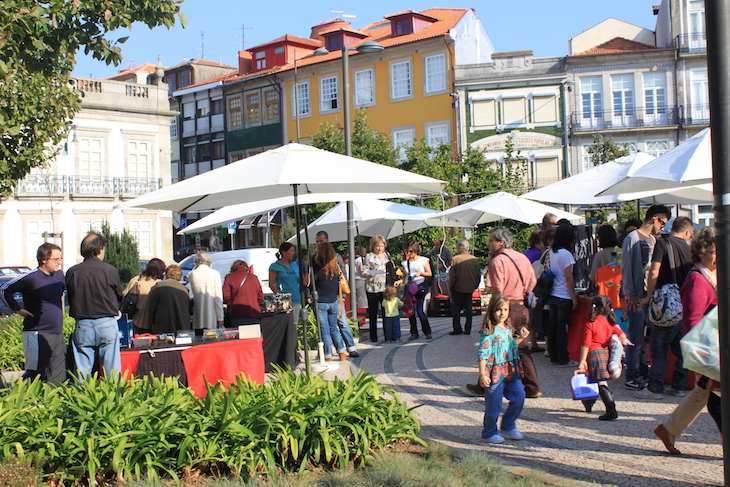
x=533 y=296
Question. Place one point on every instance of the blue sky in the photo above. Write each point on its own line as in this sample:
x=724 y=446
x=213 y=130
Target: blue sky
x=216 y=27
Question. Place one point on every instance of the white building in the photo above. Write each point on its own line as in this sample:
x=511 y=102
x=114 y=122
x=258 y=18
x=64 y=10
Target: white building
x=117 y=149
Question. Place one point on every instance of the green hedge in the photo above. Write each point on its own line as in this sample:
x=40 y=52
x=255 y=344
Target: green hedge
x=11 y=338
x=103 y=430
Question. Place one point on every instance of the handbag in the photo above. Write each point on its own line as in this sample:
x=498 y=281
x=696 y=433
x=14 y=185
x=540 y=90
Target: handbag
x=544 y=286
x=129 y=303
x=390 y=274
x=582 y=388
x=530 y=298
x=701 y=347
x=343 y=287
x=665 y=305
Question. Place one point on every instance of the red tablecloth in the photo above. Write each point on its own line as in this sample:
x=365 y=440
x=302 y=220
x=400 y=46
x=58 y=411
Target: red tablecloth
x=213 y=362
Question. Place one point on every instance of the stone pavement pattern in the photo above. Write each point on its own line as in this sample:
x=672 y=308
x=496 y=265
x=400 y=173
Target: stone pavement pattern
x=560 y=437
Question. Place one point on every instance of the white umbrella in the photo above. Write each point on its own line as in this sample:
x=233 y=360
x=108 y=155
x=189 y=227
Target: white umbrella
x=243 y=210
x=688 y=164
x=293 y=169
x=376 y=217
x=582 y=188
x=503 y=206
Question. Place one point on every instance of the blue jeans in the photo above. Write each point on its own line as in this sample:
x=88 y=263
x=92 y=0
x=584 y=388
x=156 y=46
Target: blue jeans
x=661 y=340
x=422 y=317
x=346 y=330
x=391 y=327
x=511 y=390
x=635 y=333
x=90 y=336
x=557 y=332
x=327 y=313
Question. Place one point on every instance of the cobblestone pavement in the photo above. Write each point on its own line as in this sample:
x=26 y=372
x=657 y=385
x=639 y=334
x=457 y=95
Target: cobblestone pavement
x=560 y=437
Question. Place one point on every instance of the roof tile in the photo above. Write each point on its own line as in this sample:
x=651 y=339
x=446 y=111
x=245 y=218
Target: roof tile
x=616 y=45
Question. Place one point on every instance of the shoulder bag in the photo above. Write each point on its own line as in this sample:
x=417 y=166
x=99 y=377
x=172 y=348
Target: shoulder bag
x=701 y=347
x=530 y=298
x=544 y=285
x=665 y=305
x=129 y=303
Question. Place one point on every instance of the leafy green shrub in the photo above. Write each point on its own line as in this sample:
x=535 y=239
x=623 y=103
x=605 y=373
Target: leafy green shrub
x=11 y=337
x=101 y=430
x=313 y=336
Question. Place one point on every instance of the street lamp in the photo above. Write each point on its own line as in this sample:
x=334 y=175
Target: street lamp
x=364 y=48
x=317 y=52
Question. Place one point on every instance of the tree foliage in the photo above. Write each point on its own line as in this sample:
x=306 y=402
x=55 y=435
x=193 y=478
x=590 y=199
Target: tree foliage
x=38 y=45
x=122 y=251
x=604 y=150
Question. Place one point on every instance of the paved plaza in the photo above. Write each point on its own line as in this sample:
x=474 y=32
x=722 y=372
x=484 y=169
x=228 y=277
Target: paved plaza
x=560 y=437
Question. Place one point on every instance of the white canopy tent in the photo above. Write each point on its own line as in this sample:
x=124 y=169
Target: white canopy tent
x=582 y=188
x=688 y=164
x=244 y=210
x=503 y=206
x=376 y=217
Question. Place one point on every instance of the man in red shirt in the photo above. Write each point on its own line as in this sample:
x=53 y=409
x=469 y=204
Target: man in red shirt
x=510 y=273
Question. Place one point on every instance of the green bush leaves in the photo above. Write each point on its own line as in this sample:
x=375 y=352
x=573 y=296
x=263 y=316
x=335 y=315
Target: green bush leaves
x=100 y=430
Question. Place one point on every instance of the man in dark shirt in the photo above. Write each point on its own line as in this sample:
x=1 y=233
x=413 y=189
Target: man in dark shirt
x=94 y=295
x=663 y=339
x=464 y=276
x=43 y=343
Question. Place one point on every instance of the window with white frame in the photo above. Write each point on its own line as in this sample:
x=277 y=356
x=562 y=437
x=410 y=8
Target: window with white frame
x=235 y=112
x=696 y=16
x=403 y=137
x=141 y=230
x=301 y=105
x=437 y=133
x=138 y=159
x=632 y=147
x=261 y=60
x=585 y=157
x=91 y=156
x=435 y=73
x=591 y=93
x=34 y=235
x=655 y=98
x=699 y=104
x=90 y=226
x=401 y=80
x=657 y=147
x=328 y=93
x=622 y=92
x=173 y=128
x=364 y=88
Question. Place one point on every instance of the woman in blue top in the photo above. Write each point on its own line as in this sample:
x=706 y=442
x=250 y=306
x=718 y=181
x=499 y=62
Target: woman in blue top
x=284 y=275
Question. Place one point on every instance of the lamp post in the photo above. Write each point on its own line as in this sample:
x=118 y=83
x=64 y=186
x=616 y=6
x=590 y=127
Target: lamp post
x=365 y=47
x=317 y=52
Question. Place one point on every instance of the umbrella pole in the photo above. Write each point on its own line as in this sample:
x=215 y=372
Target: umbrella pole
x=303 y=314
x=351 y=258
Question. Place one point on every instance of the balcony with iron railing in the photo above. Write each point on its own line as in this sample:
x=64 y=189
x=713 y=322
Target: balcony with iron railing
x=692 y=43
x=79 y=187
x=696 y=114
x=623 y=119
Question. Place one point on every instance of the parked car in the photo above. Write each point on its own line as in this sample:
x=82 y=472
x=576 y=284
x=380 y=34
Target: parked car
x=183 y=252
x=4 y=310
x=14 y=270
x=259 y=259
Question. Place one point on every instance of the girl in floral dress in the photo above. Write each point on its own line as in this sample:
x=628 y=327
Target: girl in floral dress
x=500 y=371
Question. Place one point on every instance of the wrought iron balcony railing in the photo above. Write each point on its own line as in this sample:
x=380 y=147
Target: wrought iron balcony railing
x=79 y=186
x=692 y=43
x=635 y=117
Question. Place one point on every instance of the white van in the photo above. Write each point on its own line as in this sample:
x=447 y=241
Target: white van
x=258 y=259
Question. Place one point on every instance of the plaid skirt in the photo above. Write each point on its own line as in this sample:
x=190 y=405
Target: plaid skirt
x=598 y=365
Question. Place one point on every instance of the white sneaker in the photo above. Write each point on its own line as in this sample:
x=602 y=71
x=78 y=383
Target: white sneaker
x=512 y=434
x=495 y=438
x=647 y=394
